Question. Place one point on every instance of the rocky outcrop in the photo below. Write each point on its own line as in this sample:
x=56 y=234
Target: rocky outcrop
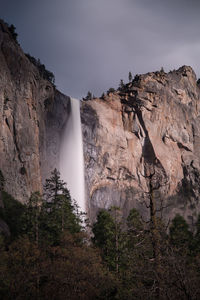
x=147 y=133
x=32 y=115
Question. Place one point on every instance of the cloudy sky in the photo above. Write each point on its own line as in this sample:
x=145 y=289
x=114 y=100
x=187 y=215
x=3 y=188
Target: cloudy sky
x=92 y=44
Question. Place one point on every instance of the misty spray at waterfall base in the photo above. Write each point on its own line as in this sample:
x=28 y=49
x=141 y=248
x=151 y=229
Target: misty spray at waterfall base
x=71 y=156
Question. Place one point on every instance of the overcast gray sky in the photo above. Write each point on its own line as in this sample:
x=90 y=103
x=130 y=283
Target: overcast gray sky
x=92 y=44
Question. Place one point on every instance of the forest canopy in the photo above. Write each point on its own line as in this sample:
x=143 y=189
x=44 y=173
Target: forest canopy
x=52 y=252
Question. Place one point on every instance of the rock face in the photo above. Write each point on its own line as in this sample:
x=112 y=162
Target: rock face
x=143 y=137
x=32 y=115
x=148 y=133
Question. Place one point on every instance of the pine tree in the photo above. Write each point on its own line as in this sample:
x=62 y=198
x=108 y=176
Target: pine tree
x=89 y=96
x=32 y=216
x=58 y=213
x=121 y=85
x=111 y=90
x=180 y=235
x=108 y=237
x=12 y=29
x=162 y=70
x=130 y=77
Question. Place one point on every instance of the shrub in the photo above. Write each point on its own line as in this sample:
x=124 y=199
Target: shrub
x=12 y=29
x=111 y=90
x=44 y=73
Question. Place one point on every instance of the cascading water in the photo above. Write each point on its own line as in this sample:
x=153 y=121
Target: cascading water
x=71 y=156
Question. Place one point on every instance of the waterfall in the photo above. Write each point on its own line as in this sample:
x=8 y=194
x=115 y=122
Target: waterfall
x=71 y=156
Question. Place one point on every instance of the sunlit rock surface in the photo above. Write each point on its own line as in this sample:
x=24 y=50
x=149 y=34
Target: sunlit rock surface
x=149 y=128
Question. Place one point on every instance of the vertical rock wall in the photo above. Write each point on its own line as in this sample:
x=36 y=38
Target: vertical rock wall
x=32 y=115
x=147 y=131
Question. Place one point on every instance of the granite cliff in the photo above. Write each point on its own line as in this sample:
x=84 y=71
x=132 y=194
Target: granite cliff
x=32 y=115
x=146 y=133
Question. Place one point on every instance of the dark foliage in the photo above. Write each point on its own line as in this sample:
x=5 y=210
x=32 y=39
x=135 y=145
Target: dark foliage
x=111 y=90
x=50 y=256
x=89 y=96
x=44 y=73
x=2 y=181
x=12 y=213
x=14 y=35
x=130 y=77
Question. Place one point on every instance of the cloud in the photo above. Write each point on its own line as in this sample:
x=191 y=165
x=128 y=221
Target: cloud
x=92 y=44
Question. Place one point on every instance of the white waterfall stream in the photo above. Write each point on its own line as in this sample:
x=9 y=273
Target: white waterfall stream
x=71 y=156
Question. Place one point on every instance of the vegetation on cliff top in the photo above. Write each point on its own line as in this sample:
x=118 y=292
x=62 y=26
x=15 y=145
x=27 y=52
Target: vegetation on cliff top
x=44 y=73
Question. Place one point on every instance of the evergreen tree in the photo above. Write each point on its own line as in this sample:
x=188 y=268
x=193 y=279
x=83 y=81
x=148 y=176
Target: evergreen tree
x=103 y=231
x=121 y=85
x=12 y=29
x=32 y=216
x=162 y=70
x=88 y=97
x=111 y=90
x=134 y=221
x=180 y=235
x=108 y=237
x=130 y=77
x=58 y=213
x=135 y=229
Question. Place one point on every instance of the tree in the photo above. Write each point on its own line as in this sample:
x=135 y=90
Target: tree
x=135 y=230
x=134 y=221
x=162 y=70
x=32 y=216
x=46 y=74
x=89 y=96
x=76 y=271
x=180 y=235
x=115 y=212
x=12 y=29
x=111 y=90
x=58 y=213
x=130 y=77
x=108 y=237
x=121 y=85
x=103 y=231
